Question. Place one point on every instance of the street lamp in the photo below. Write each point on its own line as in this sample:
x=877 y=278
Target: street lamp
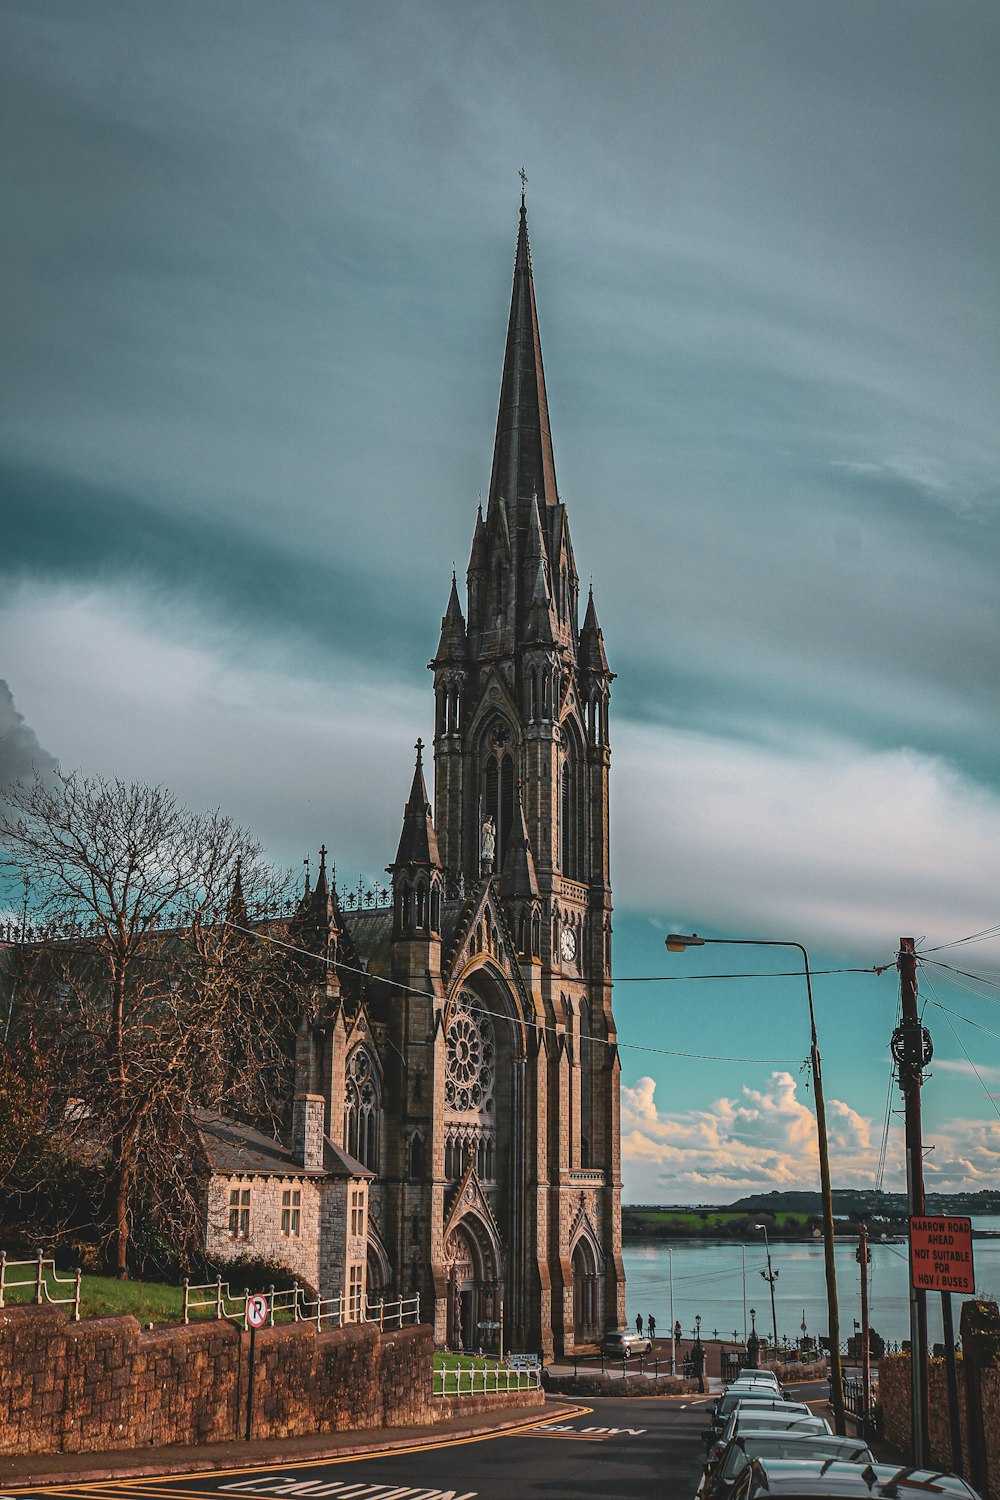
x=676 y=943
x=771 y=1277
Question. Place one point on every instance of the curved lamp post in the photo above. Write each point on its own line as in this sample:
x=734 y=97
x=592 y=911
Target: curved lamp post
x=676 y=943
x=770 y=1277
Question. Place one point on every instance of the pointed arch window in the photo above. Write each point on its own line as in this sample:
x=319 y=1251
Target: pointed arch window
x=572 y=817
x=362 y=1109
x=587 y=1050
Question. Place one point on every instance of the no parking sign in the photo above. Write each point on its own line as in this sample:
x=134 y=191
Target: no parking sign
x=256 y=1310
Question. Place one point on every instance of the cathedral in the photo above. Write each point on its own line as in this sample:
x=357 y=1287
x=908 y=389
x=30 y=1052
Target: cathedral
x=456 y=1060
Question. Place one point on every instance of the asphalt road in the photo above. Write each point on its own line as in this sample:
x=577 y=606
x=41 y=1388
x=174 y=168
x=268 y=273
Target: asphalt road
x=609 y=1450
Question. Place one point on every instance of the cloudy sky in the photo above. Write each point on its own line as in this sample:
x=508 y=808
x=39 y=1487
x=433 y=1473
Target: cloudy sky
x=256 y=272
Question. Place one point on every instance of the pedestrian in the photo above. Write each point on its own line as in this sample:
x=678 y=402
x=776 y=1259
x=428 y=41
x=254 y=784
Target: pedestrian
x=698 y=1363
x=638 y=1324
x=651 y=1325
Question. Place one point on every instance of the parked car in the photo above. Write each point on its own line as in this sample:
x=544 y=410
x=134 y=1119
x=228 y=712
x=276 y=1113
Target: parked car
x=790 y=1418
x=731 y=1399
x=755 y=1377
x=721 y=1475
x=819 y=1479
x=623 y=1344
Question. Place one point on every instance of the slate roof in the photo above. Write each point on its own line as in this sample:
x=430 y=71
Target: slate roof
x=231 y=1148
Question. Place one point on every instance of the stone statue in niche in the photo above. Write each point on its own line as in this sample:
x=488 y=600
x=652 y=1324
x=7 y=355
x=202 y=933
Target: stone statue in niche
x=488 y=846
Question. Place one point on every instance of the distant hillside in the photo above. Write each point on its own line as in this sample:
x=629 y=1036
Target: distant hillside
x=866 y=1203
x=790 y=1215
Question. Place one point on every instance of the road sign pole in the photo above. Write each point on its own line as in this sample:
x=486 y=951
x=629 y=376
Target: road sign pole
x=951 y=1368
x=253 y=1365
x=255 y=1311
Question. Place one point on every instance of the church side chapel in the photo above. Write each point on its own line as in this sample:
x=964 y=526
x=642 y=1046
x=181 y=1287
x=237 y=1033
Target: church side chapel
x=456 y=1064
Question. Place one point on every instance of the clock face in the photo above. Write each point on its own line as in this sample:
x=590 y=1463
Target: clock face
x=567 y=944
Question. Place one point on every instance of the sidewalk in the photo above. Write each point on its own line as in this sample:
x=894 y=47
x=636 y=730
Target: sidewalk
x=18 y=1471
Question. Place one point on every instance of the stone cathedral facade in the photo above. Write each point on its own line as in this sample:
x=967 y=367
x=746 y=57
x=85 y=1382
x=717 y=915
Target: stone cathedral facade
x=459 y=1043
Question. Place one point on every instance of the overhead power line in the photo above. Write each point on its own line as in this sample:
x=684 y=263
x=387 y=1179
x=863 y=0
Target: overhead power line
x=539 y=1026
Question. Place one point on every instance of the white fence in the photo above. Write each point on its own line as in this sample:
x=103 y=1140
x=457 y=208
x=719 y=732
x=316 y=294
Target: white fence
x=43 y=1277
x=216 y=1298
x=482 y=1380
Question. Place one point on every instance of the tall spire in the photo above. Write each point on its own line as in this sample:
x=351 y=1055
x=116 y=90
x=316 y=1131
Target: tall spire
x=523 y=465
x=591 y=655
x=452 y=645
x=418 y=843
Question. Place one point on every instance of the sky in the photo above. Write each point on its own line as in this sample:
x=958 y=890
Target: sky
x=257 y=265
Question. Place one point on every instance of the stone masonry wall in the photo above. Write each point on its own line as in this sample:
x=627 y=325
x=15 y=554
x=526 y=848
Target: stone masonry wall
x=104 y=1383
x=894 y=1399
x=298 y=1253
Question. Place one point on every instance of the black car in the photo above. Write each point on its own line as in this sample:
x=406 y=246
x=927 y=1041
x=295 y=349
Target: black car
x=826 y=1479
x=721 y=1474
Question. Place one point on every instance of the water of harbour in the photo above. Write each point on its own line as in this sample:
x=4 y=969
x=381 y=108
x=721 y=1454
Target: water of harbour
x=708 y=1277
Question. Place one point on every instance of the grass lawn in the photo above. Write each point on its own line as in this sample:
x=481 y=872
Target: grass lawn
x=100 y=1296
x=446 y=1361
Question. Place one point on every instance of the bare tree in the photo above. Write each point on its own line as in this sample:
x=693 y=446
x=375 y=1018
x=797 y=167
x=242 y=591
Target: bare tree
x=147 y=981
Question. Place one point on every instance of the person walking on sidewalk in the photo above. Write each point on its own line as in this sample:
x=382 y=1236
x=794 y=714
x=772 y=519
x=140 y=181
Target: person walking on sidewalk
x=638 y=1324
x=651 y=1325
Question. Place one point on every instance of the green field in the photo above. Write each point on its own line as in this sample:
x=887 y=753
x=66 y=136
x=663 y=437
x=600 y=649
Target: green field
x=690 y=1218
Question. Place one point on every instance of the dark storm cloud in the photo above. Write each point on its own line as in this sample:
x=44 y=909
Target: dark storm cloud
x=21 y=756
x=257 y=268
x=85 y=534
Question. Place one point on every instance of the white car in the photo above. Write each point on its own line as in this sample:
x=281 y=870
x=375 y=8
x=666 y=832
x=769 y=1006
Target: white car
x=750 y=1378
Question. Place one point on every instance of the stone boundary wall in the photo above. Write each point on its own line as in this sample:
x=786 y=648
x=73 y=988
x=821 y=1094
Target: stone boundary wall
x=894 y=1399
x=105 y=1383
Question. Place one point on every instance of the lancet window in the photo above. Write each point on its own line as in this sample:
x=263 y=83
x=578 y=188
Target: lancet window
x=362 y=1109
x=572 y=817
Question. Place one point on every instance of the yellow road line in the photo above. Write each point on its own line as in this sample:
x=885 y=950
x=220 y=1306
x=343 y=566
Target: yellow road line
x=98 y=1489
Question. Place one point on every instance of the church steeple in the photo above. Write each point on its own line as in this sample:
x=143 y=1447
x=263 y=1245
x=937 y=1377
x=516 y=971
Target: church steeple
x=523 y=465
x=523 y=586
x=521 y=695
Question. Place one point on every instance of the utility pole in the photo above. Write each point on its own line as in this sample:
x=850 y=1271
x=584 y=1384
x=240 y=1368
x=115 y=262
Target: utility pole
x=912 y=1050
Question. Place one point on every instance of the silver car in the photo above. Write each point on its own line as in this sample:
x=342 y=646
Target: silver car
x=732 y=1400
x=792 y=1418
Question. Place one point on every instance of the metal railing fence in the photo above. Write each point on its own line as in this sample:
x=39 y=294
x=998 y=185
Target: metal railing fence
x=483 y=1380
x=220 y=1301
x=44 y=1269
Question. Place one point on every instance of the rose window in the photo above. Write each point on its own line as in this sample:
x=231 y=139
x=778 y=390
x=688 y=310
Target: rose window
x=471 y=1058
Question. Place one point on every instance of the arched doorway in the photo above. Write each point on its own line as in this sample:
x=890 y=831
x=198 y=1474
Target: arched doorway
x=472 y=1286
x=588 y=1298
x=378 y=1273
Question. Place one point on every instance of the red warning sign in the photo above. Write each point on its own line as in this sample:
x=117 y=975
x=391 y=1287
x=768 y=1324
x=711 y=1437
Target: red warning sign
x=941 y=1255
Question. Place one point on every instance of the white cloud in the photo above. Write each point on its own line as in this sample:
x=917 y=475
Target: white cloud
x=823 y=840
x=128 y=685
x=766 y=1140
x=967 y=1069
